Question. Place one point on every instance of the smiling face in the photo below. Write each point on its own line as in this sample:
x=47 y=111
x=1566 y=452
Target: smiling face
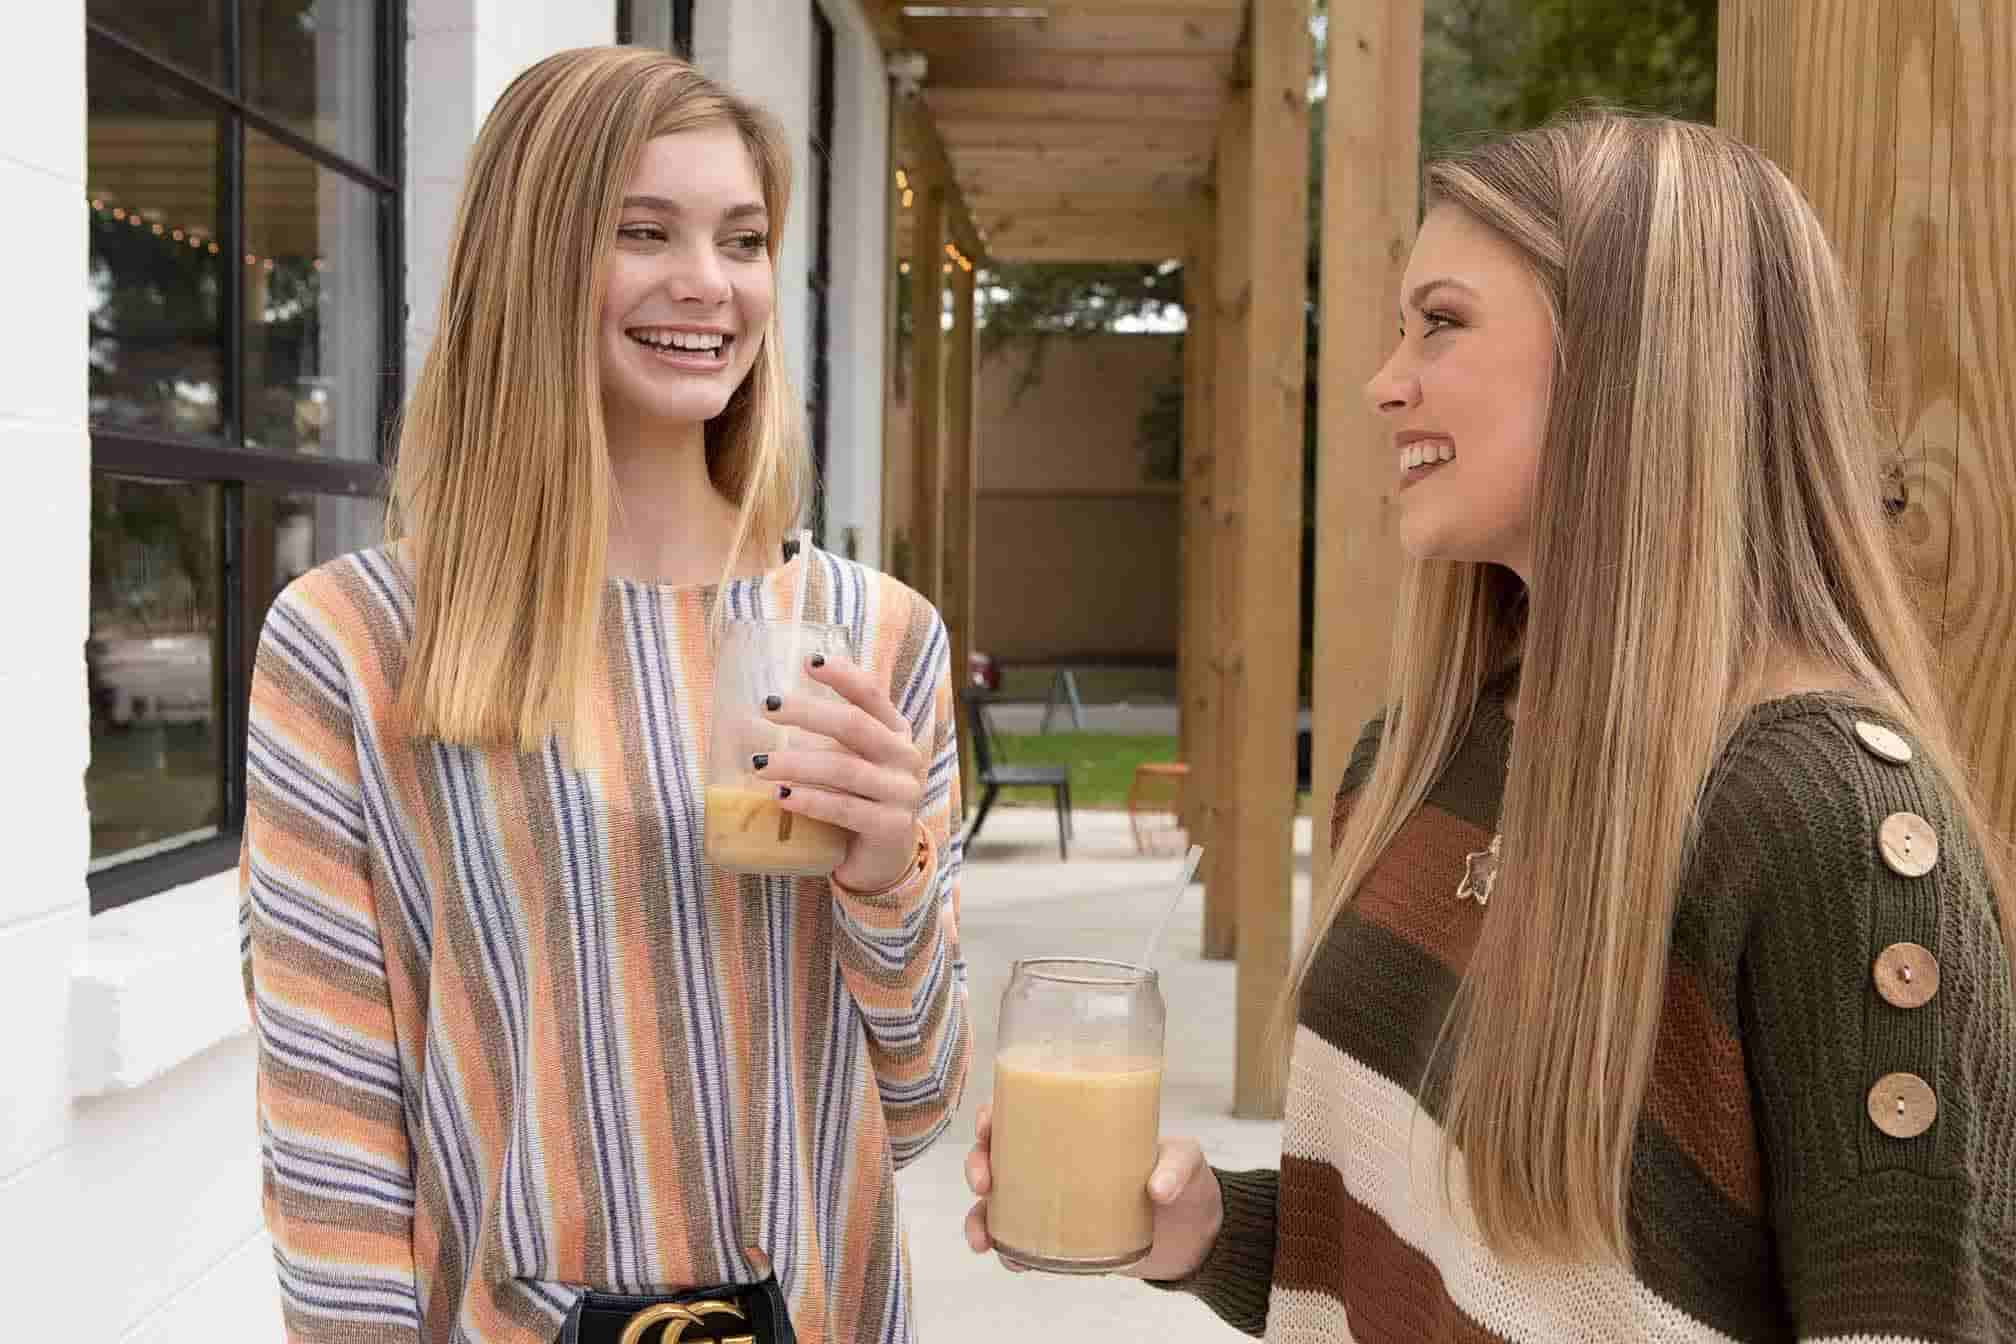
x=1464 y=396
x=690 y=281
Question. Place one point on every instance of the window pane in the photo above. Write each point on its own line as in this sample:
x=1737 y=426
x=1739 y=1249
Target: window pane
x=286 y=535
x=188 y=32
x=153 y=667
x=314 y=65
x=313 y=296
x=156 y=278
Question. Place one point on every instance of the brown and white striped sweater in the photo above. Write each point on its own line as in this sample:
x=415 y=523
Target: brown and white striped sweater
x=1766 y=1202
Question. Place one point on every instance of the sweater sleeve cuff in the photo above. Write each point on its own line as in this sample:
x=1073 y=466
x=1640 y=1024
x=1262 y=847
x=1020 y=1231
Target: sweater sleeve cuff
x=902 y=895
x=1237 y=1273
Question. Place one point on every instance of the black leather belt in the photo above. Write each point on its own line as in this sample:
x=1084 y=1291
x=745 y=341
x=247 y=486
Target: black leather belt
x=752 y=1313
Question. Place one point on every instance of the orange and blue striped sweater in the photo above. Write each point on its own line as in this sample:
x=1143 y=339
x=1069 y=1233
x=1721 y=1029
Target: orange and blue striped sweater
x=518 y=1040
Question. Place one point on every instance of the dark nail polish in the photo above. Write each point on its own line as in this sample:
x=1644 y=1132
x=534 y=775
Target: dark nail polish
x=784 y=791
x=773 y=703
x=818 y=660
x=760 y=759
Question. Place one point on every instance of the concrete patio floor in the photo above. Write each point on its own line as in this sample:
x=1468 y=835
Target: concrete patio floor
x=1018 y=900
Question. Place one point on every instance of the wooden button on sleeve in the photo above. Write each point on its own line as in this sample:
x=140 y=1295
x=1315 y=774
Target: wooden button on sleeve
x=1907 y=975
x=1910 y=847
x=1883 y=743
x=1902 y=1105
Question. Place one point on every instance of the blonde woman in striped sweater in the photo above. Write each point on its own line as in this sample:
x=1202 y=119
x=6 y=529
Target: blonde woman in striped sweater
x=529 y=1067
x=1662 y=991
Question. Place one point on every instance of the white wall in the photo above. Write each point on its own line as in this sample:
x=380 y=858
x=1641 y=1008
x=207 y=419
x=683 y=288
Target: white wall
x=860 y=280
x=463 y=54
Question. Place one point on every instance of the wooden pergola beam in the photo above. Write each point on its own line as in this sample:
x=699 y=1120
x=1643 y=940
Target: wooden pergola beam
x=1208 y=34
x=1256 y=819
x=927 y=390
x=957 y=106
x=1039 y=139
x=1370 y=143
x=959 y=569
x=1230 y=298
x=1196 y=670
x=1057 y=9
x=933 y=166
x=1134 y=237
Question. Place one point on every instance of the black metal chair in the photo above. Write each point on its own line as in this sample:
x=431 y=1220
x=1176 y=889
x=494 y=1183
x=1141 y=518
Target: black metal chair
x=995 y=775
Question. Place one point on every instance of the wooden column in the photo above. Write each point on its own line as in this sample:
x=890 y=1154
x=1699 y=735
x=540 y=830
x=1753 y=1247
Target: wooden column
x=1232 y=216
x=927 y=390
x=962 y=470
x=1256 y=816
x=1895 y=118
x=1371 y=161
x=1197 y=647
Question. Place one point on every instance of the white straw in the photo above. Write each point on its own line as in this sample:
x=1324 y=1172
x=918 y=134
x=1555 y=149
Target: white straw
x=1190 y=862
x=796 y=636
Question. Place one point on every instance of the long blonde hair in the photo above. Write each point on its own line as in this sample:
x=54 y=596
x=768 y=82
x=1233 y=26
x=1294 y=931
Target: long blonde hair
x=1709 y=506
x=501 y=487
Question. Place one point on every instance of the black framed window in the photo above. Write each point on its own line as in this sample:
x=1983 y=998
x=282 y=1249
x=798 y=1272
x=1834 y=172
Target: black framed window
x=665 y=24
x=244 y=347
x=819 y=281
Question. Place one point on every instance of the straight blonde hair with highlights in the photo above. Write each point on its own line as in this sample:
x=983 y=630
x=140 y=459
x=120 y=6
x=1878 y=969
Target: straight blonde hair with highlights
x=1709 y=514
x=501 y=488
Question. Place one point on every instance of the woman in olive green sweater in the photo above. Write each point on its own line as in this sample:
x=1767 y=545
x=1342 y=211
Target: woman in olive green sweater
x=1662 y=987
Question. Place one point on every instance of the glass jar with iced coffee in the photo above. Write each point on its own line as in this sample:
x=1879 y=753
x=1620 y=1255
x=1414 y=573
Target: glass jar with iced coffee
x=1077 y=1114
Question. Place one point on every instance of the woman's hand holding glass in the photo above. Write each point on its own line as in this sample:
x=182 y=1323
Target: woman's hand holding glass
x=1189 y=1208
x=867 y=777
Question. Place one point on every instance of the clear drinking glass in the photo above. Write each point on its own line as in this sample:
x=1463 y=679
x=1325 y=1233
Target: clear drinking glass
x=746 y=831
x=1077 y=1114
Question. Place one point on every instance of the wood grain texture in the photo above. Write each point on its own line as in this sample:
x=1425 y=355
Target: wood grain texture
x=927 y=390
x=1371 y=151
x=1197 y=689
x=958 y=571
x=1230 y=439
x=1897 y=120
x=1255 y=831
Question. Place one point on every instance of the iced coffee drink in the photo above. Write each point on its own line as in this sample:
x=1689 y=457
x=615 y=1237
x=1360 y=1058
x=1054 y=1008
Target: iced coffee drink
x=749 y=832
x=745 y=829
x=1077 y=1105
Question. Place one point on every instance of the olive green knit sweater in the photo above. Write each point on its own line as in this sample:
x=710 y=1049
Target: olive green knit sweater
x=1828 y=1145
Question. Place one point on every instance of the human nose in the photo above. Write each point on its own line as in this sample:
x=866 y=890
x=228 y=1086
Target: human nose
x=696 y=275
x=1394 y=387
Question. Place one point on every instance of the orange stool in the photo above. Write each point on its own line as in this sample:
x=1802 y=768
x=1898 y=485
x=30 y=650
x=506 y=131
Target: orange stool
x=1158 y=790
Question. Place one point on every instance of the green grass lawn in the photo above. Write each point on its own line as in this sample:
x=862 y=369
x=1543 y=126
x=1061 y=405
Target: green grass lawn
x=1102 y=765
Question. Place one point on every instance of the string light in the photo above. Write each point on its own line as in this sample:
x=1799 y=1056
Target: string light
x=903 y=268
x=908 y=197
x=902 y=178
x=195 y=238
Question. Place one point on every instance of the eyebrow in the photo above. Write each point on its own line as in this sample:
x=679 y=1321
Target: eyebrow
x=1420 y=292
x=666 y=206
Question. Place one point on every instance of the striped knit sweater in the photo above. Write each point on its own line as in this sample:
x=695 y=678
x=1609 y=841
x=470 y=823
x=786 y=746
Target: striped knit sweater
x=1766 y=1202
x=517 y=1039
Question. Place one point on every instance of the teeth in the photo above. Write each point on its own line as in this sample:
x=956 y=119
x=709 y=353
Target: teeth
x=680 y=340
x=1426 y=454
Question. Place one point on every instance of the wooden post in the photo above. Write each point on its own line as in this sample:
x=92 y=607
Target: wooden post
x=927 y=388
x=1197 y=647
x=1371 y=164
x=1255 y=833
x=1909 y=155
x=962 y=468
x=1232 y=210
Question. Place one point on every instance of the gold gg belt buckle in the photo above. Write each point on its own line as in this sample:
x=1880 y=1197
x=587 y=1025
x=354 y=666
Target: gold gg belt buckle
x=676 y=1318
